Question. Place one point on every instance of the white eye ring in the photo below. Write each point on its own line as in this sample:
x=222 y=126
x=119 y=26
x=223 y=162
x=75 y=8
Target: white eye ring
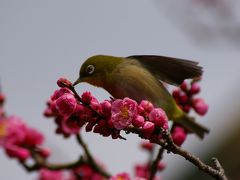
x=90 y=69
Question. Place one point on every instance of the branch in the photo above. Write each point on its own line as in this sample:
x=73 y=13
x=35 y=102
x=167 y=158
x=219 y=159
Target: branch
x=167 y=143
x=90 y=159
x=42 y=163
x=155 y=163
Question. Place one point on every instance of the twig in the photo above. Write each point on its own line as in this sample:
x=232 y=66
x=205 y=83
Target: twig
x=41 y=163
x=155 y=163
x=167 y=143
x=90 y=159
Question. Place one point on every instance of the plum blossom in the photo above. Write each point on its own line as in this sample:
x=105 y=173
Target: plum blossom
x=123 y=112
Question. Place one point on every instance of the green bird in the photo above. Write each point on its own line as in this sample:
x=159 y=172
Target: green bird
x=139 y=77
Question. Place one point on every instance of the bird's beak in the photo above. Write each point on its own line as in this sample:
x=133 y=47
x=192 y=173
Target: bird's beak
x=77 y=82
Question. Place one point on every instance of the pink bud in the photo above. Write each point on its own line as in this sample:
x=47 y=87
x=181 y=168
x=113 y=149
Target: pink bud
x=184 y=86
x=195 y=88
x=2 y=98
x=147 y=146
x=200 y=106
x=18 y=152
x=186 y=108
x=48 y=112
x=63 y=82
x=161 y=166
x=66 y=104
x=59 y=93
x=176 y=93
x=178 y=135
x=147 y=106
x=158 y=116
x=183 y=98
x=106 y=108
x=87 y=97
x=138 y=121
x=44 y=152
x=148 y=128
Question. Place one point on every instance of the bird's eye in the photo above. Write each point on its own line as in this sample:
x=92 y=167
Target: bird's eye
x=90 y=69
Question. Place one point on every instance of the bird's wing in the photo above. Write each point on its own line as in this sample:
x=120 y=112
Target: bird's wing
x=171 y=70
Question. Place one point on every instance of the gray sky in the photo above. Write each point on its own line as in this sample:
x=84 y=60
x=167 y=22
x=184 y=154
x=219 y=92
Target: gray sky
x=41 y=41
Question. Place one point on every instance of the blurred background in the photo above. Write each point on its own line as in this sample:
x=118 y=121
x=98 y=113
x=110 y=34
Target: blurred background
x=41 y=41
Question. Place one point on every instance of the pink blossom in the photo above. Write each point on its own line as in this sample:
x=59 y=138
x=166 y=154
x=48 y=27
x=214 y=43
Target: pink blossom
x=147 y=146
x=179 y=135
x=87 y=97
x=141 y=170
x=16 y=151
x=33 y=137
x=70 y=125
x=138 y=121
x=85 y=172
x=121 y=176
x=148 y=128
x=184 y=86
x=46 y=174
x=66 y=104
x=195 y=88
x=59 y=93
x=63 y=82
x=159 y=117
x=200 y=106
x=2 y=98
x=106 y=108
x=123 y=112
x=146 y=105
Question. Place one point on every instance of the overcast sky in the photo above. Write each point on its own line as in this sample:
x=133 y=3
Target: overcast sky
x=41 y=41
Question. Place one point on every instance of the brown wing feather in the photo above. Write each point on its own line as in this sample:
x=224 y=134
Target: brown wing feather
x=171 y=70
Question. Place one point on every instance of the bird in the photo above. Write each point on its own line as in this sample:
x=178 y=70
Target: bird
x=141 y=77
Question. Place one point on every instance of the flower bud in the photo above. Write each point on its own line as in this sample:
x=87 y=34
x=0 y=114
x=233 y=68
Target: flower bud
x=63 y=82
x=200 y=106
x=158 y=116
x=66 y=104
x=148 y=128
x=87 y=97
x=195 y=88
x=138 y=121
x=179 y=135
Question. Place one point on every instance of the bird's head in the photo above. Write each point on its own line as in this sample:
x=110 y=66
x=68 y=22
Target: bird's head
x=96 y=70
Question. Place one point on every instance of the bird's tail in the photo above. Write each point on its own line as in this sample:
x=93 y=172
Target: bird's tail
x=191 y=125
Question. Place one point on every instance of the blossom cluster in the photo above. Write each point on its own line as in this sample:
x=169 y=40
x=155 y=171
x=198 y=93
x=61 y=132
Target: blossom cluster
x=107 y=118
x=185 y=98
x=18 y=139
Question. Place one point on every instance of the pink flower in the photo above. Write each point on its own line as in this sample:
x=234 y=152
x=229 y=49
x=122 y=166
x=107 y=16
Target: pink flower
x=87 y=97
x=200 y=106
x=123 y=112
x=147 y=146
x=2 y=98
x=18 y=152
x=148 y=128
x=138 y=121
x=33 y=137
x=106 y=108
x=195 y=88
x=63 y=82
x=70 y=125
x=66 y=104
x=146 y=105
x=159 y=117
x=46 y=174
x=141 y=170
x=59 y=93
x=121 y=176
x=179 y=135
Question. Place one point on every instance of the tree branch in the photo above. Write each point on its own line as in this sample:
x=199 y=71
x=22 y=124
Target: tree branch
x=167 y=143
